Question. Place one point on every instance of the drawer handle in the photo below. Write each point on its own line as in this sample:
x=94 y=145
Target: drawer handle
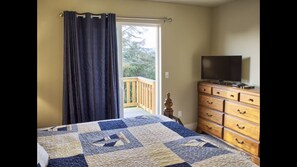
x=204 y=89
x=208 y=127
x=240 y=127
x=209 y=102
x=209 y=115
x=239 y=142
x=218 y=92
x=252 y=100
x=232 y=95
x=241 y=112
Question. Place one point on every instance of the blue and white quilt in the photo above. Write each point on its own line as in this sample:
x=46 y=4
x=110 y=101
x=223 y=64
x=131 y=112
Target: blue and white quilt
x=139 y=141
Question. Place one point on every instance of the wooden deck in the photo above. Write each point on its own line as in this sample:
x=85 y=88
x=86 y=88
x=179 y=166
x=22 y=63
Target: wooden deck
x=134 y=111
x=139 y=92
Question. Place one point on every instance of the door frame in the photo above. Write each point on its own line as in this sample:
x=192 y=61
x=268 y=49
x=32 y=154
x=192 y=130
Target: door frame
x=158 y=63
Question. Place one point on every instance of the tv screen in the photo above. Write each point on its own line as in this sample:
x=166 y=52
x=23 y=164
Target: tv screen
x=223 y=68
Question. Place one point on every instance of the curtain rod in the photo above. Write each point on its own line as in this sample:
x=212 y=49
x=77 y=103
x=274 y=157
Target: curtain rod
x=127 y=18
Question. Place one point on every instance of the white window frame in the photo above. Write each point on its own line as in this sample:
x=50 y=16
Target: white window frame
x=158 y=62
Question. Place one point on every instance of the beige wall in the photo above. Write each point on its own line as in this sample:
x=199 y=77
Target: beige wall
x=183 y=42
x=235 y=30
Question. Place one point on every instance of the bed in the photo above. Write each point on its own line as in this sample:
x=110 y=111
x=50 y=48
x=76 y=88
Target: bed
x=147 y=140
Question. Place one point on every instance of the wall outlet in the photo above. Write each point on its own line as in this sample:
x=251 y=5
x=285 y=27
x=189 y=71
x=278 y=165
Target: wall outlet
x=179 y=114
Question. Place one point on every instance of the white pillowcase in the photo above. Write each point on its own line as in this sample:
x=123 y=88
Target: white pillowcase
x=42 y=156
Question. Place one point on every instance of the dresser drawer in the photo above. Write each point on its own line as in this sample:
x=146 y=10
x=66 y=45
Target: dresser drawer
x=250 y=99
x=204 y=89
x=248 y=112
x=210 y=127
x=225 y=93
x=242 y=126
x=245 y=143
x=211 y=102
x=210 y=114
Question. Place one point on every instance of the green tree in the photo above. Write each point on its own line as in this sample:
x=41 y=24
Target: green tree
x=137 y=60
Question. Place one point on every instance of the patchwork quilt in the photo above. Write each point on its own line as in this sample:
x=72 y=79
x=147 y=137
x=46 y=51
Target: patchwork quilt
x=146 y=141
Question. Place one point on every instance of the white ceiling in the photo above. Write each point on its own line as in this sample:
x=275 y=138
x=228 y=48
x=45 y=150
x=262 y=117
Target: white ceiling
x=209 y=3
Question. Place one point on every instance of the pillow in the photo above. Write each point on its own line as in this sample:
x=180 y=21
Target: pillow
x=42 y=156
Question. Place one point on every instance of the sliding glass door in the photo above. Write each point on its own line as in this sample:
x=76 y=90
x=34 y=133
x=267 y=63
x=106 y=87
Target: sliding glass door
x=139 y=64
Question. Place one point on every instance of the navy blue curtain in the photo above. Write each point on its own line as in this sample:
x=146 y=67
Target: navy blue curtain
x=90 y=78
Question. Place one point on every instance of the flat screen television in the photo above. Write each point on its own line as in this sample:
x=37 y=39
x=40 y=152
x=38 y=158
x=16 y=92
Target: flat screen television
x=221 y=68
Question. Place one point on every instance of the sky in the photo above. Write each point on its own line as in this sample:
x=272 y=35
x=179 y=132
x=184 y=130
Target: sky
x=151 y=37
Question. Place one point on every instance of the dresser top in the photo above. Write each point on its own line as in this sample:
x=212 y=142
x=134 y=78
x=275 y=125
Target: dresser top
x=254 y=91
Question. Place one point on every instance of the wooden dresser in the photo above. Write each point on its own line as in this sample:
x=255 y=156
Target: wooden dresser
x=231 y=114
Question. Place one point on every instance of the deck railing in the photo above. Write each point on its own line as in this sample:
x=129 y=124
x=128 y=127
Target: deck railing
x=140 y=92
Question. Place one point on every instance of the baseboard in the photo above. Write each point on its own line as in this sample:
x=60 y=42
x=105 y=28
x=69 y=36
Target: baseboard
x=191 y=126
